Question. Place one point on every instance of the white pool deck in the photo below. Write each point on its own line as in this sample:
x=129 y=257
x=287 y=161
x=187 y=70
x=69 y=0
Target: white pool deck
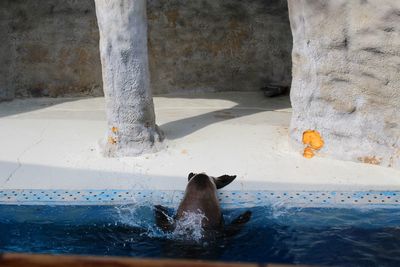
x=53 y=144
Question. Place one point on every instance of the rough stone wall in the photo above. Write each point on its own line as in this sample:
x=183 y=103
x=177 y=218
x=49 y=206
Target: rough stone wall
x=346 y=82
x=7 y=53
x=219 y=44
x=51 y=46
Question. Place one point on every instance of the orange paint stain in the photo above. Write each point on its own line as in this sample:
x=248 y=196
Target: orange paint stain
x=308 y=152
x=112 y=140
x=314 y=141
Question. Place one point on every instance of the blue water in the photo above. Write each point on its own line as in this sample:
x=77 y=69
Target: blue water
x=340 y=237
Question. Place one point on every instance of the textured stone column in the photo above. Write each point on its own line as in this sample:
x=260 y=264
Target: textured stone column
x=129 y=103
x=346 y=77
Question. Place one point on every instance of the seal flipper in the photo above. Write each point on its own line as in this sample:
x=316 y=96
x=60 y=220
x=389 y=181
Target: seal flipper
x=237 y=224
x=223 y=180
x=162 y=220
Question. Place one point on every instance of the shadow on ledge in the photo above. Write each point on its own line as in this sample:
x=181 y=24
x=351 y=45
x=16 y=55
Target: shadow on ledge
x=244 y=107
x=241 y=104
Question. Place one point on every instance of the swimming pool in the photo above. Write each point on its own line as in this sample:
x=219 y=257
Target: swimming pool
x=366 y=234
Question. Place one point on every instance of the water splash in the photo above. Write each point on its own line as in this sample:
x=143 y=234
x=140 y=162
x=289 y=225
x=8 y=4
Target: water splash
x=189 y=227
x=135 y=215
x=281 y=210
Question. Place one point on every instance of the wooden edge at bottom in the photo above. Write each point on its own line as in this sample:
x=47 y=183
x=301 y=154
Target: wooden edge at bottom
x=42 y=260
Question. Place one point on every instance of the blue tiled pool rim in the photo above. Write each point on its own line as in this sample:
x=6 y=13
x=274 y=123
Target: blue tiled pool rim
x=228 y=199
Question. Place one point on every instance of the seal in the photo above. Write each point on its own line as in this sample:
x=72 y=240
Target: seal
x=201 y=197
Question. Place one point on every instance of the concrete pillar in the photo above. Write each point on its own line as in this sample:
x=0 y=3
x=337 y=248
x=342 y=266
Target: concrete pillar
x=346 y=77
x=129 y=103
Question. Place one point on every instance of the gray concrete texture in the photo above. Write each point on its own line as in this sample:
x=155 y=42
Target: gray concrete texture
x=50 y=47
x=346 y=83
x=125 y=65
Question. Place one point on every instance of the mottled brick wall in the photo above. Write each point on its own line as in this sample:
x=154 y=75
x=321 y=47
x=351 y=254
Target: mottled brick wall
x=53 y=45
x=50 y=47
x=219 y=44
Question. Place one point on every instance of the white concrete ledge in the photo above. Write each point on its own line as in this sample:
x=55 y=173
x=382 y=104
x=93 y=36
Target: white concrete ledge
x=52 y=144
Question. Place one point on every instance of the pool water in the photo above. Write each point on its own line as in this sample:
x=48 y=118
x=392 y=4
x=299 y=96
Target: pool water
x=323 y=236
